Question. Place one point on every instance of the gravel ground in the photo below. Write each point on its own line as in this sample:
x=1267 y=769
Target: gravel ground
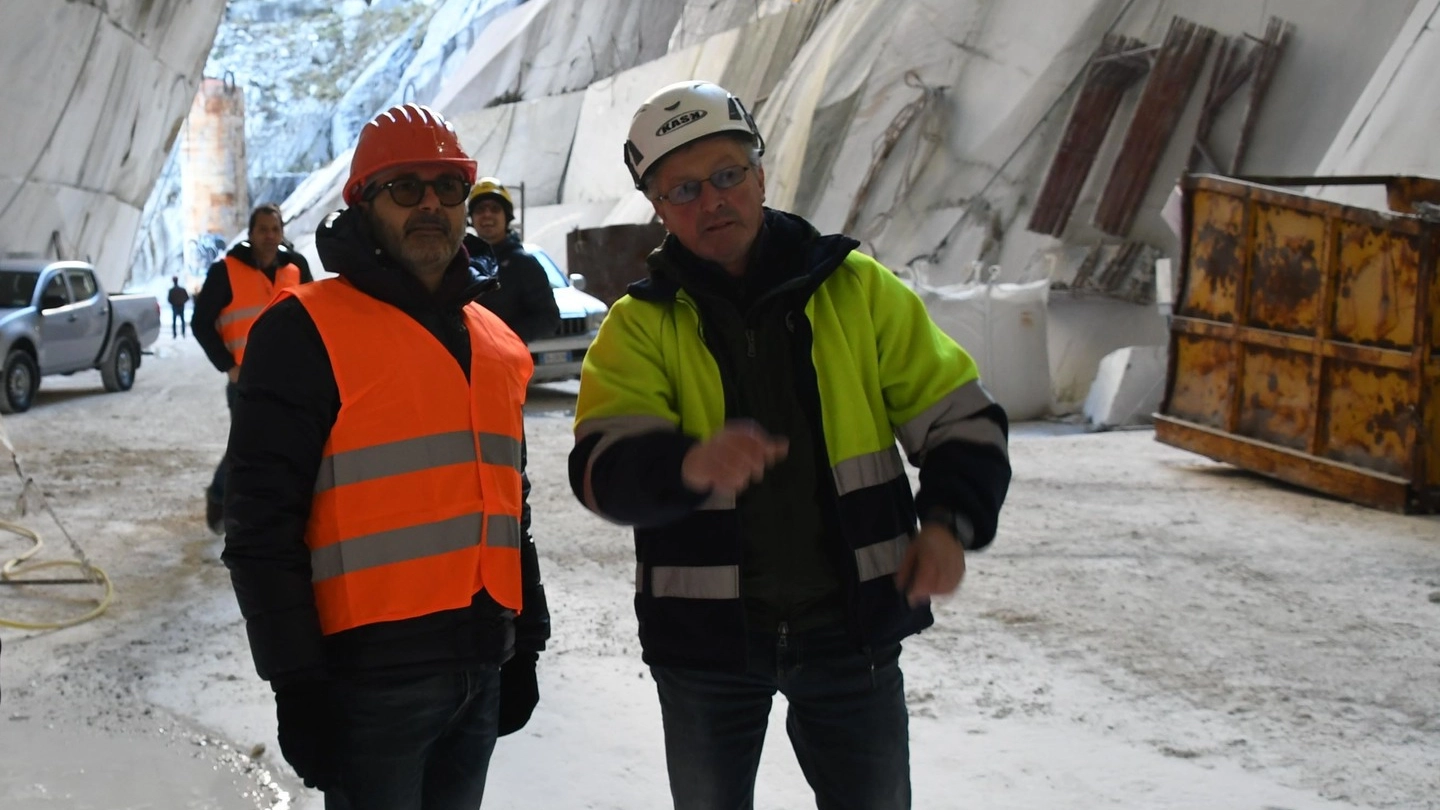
x=1150 y=630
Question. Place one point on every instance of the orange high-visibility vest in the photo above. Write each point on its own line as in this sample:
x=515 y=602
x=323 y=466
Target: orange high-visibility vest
x=417 y=502
x=250 y=292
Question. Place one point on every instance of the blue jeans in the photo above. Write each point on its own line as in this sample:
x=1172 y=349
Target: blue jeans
x=416 y=743
x=847 y=723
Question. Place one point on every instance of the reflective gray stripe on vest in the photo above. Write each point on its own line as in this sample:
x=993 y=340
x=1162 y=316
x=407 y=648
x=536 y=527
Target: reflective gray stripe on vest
x=502 y=531
x=500 y=450
x=237 y=343
x=395 y=458
x=692 y=581
x=396 y=545
x=869 y=470
x=881 y=559
x=951 y=419
x=238 y=315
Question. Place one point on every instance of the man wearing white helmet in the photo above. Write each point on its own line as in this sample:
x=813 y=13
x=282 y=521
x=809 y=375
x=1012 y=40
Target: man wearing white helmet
x=740 y=408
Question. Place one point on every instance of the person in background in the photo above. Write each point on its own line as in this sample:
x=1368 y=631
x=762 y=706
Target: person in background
x=236 y=289
x=524 y=299
x=378 y=527
x=740 y=408
x=178 y=298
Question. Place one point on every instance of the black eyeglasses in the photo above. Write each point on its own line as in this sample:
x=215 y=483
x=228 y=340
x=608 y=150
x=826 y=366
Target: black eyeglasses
x=409 y=191
x=689 y=191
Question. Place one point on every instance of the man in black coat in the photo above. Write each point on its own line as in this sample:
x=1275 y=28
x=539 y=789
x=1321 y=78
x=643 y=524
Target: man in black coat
x=266 y=261
x=524 y=299
x=400 y=637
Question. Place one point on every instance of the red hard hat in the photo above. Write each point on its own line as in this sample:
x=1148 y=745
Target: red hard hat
x=401 y=136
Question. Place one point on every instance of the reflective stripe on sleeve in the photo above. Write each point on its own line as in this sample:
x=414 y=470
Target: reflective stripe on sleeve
x=952 y=419
x=869 y=470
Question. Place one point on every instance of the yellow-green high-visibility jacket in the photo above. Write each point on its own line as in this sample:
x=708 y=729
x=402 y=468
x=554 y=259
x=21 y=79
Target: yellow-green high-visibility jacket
x=650 y=389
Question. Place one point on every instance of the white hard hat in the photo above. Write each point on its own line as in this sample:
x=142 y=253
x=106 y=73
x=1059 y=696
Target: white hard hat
x=680 y=114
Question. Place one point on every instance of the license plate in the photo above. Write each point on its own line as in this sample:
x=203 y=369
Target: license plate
x=547 y=358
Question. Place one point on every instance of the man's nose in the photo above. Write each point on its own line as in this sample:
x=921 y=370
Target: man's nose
x=430 y=200
x=711 y=198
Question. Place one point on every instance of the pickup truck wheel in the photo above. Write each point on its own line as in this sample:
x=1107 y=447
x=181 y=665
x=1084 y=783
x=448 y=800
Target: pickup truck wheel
x=118 y=374
x=21 y=378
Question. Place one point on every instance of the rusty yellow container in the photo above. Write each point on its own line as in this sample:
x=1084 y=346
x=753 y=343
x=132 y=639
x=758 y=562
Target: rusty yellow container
x=1304 y=343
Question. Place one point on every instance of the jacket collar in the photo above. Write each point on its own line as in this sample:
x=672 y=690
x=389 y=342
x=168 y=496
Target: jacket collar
x=787 y=249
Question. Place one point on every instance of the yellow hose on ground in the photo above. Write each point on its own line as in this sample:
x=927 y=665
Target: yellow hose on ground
x=92 y=573
x=17 y=566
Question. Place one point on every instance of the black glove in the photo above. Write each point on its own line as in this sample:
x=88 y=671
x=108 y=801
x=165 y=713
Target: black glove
x=308 y=731
x=519 y=691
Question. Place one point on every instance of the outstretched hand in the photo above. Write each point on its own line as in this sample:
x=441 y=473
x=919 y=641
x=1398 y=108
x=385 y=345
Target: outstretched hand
x=733 y=459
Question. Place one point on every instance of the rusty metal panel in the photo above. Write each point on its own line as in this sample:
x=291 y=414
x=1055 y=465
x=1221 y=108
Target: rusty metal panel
x=1306 y=341
x=1432 y=429
x=1202 y=395
x=1216 y=249
x=1376 y=300
x=1370 y=416
x=1173 y=75
x=1117 y=64
x=1354 y=484
x=1434 y=313
x=1275 y=397
x=1285 y=280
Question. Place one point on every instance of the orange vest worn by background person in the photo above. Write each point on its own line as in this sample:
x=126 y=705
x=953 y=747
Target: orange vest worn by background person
x=417 y=502
x=250 y=292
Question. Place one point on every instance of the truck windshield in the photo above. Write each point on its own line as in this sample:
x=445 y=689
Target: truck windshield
x=17 y=289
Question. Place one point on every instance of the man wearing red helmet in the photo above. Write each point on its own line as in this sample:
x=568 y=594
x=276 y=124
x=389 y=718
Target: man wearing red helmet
x=378 y=530
x=740 y=408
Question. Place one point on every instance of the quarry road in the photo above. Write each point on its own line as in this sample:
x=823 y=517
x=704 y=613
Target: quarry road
x=1150 y=630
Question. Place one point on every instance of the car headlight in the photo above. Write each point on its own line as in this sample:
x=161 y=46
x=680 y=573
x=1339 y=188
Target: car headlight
x=593 y=321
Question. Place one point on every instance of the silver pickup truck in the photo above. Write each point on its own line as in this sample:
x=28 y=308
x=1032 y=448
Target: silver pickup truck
x=55 y=319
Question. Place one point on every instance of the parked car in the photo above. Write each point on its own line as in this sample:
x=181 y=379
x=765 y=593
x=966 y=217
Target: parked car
x=559 y=357
x=56 y=319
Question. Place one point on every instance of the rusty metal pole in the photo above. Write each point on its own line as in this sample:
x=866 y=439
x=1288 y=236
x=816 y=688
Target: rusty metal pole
x=214 y=190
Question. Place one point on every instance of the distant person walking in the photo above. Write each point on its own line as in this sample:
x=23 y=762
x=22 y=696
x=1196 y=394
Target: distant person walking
x=178 y=298
x=237 y=289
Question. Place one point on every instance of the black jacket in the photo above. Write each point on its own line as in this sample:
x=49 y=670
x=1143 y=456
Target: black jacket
x=287 y=403
x=796 y=565
x=215 y=295
x=524 y=299
x=790 y=573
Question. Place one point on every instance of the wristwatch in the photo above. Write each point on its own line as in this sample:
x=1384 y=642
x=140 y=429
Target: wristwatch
x=956 y=523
